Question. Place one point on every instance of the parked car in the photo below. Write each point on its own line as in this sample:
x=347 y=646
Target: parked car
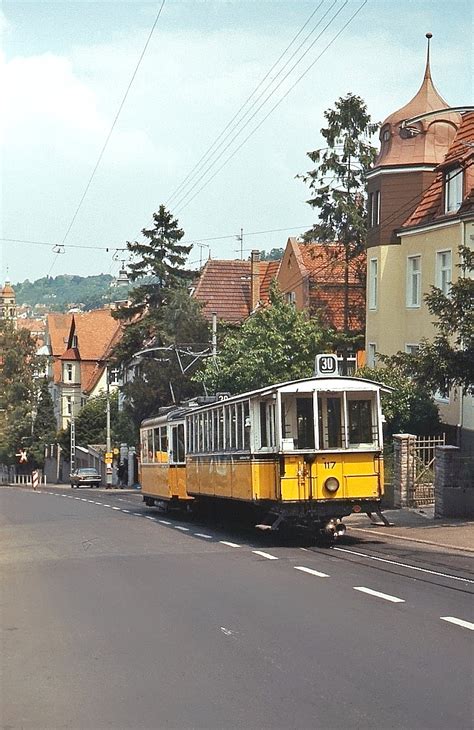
x=85 y=478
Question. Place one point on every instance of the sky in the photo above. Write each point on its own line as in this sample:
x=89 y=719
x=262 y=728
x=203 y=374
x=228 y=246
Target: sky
x=65 y=68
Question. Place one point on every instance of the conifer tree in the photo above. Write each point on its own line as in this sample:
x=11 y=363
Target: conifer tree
x=338 y=188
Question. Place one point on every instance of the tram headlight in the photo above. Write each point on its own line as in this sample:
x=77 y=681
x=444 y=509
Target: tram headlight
x=331 y=484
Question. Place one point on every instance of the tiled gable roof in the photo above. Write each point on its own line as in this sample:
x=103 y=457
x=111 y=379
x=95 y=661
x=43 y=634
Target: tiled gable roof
x=224 y=288
x=97 y=331
x=430 y=208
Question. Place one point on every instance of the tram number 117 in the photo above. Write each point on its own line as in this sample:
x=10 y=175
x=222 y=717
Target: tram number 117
x=329 y=464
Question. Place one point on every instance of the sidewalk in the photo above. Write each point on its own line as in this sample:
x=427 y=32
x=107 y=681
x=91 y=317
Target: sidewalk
x=417 y=525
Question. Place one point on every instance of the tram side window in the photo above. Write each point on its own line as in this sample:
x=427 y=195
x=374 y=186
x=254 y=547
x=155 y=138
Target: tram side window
x=360 y=422
x=150 y=449
x=221 y=429
x=263 y=425
x=144 y=445
x=305 y=423
x=240 y=426
x=267 y=425
x=246 y=426
x=227 y=427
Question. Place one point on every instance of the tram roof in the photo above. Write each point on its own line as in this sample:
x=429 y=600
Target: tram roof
x=335 y=384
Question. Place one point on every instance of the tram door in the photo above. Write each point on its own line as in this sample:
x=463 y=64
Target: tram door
x=297 y=477
x=177 y=459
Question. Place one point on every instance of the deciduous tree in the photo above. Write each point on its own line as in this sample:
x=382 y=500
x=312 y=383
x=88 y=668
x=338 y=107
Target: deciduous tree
x=275 y=344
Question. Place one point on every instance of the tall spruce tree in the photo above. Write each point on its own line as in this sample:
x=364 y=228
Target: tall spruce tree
x=160 y=314
x=338 y=189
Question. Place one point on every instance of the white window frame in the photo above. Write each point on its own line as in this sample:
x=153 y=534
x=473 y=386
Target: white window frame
x=413 y=283
x=373 y=282
x=411 y=348
x=69 y=372
x=371 y=355
x=291 y=297
x=453 y=189
x=443 y=282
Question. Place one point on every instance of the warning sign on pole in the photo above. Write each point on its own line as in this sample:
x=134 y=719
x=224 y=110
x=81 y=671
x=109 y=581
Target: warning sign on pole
x=35 y=478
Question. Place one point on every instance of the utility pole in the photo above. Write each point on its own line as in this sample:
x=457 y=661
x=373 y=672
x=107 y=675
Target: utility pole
x=241 y=239
x=108 y=478
x=214 y=336
x=73 y=437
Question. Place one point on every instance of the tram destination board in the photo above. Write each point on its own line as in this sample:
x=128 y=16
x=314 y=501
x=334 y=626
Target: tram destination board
x=326 y=365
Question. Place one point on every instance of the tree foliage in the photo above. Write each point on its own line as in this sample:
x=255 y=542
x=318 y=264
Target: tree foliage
x=161 y=317
x=275 y=344
x=409 y=408
x=19 y=368
x=447 y=360
x=338 y=182
x=338 y=188
x=44 y=425
x=91 y=425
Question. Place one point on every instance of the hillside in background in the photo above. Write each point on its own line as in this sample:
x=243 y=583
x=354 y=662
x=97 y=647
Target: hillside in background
x=60 y=293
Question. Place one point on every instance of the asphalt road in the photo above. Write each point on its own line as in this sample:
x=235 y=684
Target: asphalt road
x=114 y=616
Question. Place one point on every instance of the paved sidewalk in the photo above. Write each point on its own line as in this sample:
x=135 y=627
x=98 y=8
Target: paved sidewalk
x=418 y=526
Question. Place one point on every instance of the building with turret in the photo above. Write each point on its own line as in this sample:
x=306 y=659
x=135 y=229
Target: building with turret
x=7 y=302
x=421 y=210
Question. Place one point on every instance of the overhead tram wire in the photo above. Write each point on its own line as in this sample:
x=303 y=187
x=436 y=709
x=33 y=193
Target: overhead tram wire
x=185 y=203
x=101 y=154
x=194 y=240
x=182 y=198
x=212 y=148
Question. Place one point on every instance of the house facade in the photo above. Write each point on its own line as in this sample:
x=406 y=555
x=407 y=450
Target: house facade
x=420 y=212
x=80 y=345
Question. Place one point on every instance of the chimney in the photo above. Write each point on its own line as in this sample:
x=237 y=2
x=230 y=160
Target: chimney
x=254 y=280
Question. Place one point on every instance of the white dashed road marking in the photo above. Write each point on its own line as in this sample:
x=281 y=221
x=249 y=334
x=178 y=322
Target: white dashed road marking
x=311 y=571
x=126 y=510
x=99 y=503
x=178 y=527
x=116 y=508
x=385 y=596
x=201 y=534
x=148 y=517
x=106 y=505
x=458 y=622
x=229 y=544
x=265 y=555
x=164 y=522
x=137 y=514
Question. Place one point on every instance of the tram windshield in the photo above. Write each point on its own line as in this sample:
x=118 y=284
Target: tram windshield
x=343 y=420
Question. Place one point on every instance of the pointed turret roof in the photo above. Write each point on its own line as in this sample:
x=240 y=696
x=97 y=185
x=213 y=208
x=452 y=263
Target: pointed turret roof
x=432 y=136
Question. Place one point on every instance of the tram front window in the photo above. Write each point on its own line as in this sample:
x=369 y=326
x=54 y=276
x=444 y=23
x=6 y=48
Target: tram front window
x=305 y=423
x=330 y=422
x=360 y=422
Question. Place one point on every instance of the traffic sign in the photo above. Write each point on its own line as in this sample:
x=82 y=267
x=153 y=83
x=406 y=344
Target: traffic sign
x=116 y=452
x=22 y=456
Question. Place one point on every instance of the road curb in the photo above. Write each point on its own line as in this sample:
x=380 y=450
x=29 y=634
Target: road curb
x=414 y=539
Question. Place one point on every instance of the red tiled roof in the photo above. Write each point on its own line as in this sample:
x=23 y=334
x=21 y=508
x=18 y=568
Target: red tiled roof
x=97 y=331
x=268 y=272
x=58 y=326
x=324 y=263
x=224 y=288
x=70 y=354
x=430 y=207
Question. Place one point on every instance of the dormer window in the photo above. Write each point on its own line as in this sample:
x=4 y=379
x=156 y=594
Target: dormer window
x=453 y=187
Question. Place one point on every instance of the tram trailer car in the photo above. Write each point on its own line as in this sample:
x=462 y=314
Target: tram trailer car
x=306 y=452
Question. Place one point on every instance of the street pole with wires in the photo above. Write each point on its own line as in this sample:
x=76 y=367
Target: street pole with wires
x=108 y=479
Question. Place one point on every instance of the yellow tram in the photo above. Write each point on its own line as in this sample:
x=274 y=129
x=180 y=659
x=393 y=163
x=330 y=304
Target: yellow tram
x=303 y=452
